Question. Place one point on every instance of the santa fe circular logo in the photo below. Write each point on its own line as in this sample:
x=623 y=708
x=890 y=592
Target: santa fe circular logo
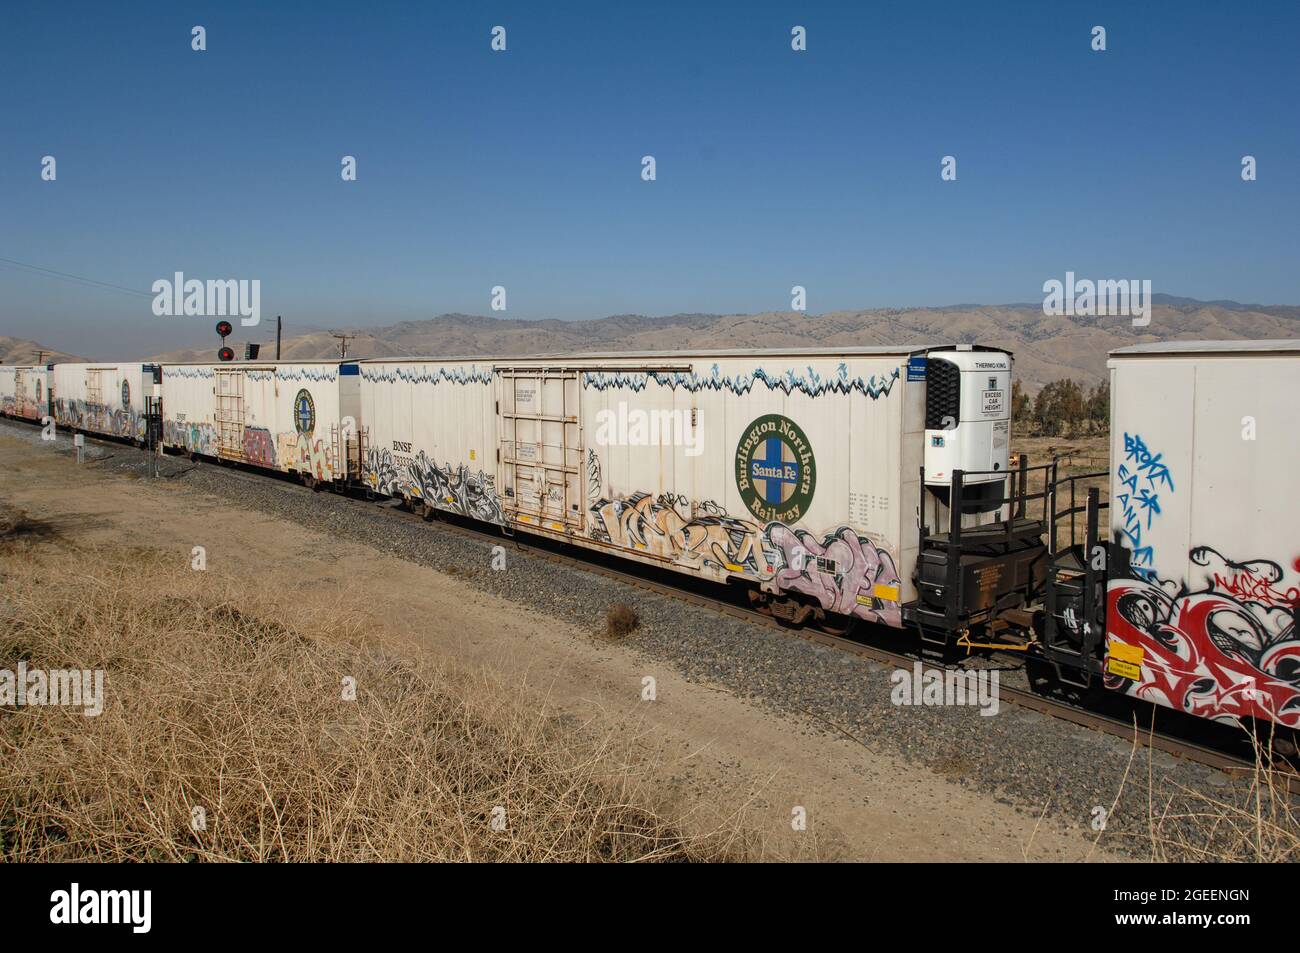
x=304 y=412
x=775 y=470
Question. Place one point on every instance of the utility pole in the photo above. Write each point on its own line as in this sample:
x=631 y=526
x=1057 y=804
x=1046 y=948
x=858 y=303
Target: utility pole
x=40 y=357
x=343 y=344
x=277 y=337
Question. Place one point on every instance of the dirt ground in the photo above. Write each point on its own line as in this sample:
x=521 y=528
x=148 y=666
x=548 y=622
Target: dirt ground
x=710 y=748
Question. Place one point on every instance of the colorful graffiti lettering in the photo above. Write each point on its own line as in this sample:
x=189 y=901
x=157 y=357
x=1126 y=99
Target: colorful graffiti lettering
x=259 y=448
x=842 y=571
x=98 y=418
x=26 y=407
x=1142 y=474
x=1223 y=645
x=312 y=456
x=195 y=438
x=458 y=490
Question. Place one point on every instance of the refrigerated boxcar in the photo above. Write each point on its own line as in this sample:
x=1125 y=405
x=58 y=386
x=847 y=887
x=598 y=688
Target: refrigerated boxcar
x=107 y=399
x=1204 y=581
x=797 y=473
x=23 y=391
x=295 y=417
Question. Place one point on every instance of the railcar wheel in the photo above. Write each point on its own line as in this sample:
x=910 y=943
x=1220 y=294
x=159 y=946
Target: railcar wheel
x=427 y=512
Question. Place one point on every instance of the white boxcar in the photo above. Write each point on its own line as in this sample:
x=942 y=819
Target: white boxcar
x=796 y=471
x=296 y=417
x=1204 y=580
x=23 y=391
x=106 y=399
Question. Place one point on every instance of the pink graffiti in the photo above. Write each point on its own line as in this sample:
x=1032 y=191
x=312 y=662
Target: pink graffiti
x=844 y=572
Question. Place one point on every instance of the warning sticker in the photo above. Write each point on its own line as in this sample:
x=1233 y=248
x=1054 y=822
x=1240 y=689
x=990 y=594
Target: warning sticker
x=1125 y=660
x=993 y=402
x=1124 y=669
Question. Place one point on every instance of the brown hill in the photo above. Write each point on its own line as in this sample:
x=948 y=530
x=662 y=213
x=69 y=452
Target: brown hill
x=1046 y=348
x=20 y=351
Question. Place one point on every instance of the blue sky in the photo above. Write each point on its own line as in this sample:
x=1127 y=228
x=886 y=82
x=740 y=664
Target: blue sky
x=522 y=168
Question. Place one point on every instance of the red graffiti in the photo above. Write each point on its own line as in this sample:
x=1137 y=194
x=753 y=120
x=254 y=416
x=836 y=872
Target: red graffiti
x=1227 y=651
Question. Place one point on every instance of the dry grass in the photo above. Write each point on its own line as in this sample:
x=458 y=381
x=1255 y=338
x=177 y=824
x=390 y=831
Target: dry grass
x=1258 y=825
x=1253 y=820
x=231 y=700
x=620 y=620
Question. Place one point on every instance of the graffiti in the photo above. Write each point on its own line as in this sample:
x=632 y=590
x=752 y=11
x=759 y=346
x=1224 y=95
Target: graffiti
x=98 y=418
x=13 y=407
x=259 y=448
x=593 y=475
x=312 y=456
x=656 y=524
x=194 y=437
x=460 y=490
x=810 y=383
x=381 y=472
x=464 y=492
x=1253 y=582
x=1142 y=474
x=290 y=373
x=423 y=374
x=1222 y=645
x=842 y=571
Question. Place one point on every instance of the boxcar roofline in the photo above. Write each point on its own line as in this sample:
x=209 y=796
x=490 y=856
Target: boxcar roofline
x=688 y=355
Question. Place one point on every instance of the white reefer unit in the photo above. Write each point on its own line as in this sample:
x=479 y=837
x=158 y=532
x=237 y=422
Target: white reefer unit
x=105 y=399
x=298 y=417
x=23 y=391
x=967 y=416
x=794 y=471
x=1204 y=581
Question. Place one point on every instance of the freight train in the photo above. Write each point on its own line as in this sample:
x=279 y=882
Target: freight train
x=832 y=485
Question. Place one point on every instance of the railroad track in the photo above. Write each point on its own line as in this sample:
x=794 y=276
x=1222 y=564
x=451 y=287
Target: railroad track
x=1023 y=698
x=540 y=547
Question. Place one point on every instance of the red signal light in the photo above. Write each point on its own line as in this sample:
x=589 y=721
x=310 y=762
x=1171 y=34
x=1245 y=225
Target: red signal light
x=224 y=328
x=226 y=354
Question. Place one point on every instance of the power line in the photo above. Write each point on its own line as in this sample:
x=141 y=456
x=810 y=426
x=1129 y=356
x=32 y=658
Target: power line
x=51 y=273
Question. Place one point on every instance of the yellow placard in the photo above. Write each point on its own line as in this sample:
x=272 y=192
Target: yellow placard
x=888 y=593
x=1126 y=653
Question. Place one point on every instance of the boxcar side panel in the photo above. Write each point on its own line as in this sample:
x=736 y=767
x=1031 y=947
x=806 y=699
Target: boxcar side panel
x=1202 y=601
x=431 y=435
x=23 y=391
x=795 y=485
x=102 y=398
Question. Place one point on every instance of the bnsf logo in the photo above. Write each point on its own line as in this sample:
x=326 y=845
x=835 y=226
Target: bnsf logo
x=400 y=447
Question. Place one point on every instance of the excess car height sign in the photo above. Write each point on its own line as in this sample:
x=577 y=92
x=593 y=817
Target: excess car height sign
x=775 y=470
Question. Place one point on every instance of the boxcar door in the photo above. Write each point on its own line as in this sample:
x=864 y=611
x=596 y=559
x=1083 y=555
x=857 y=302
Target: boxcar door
x=541 y=446
x=229 y=391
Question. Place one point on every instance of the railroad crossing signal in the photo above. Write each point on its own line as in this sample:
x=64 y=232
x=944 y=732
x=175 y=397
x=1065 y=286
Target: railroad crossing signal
x=223 y=330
